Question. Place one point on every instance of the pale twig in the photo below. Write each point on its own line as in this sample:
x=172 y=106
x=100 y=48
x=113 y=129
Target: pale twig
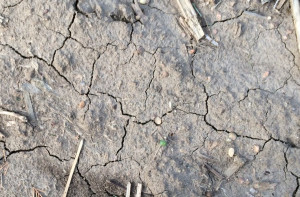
x=73 y=169
x=8 y=113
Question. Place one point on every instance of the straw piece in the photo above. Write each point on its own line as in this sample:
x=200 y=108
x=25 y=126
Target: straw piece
x=128 y=189
x=73 y=169
x=296 y=15
x=139 y=190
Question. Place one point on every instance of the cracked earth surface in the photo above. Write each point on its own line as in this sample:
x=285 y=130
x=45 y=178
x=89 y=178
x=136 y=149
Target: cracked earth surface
x=91 y=71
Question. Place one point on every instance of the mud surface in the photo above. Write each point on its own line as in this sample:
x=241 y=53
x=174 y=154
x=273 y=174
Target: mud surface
x=88 y=69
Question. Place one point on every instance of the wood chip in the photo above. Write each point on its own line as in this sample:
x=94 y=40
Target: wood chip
x=234 y=167
x=216 y=173
x=190 y=22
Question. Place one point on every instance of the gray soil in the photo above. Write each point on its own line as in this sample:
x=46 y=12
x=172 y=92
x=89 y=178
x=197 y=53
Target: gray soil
x=87 y=69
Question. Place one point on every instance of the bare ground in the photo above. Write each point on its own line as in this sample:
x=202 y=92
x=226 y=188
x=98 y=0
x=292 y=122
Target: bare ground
x=89 y=69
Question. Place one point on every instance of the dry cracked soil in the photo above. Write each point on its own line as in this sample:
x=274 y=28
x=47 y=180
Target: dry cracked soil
x=87 y=69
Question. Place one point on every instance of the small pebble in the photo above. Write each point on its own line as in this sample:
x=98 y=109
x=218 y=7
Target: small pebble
x=157 y=121
x=143 y=2
x=232 y=136
x=208 y=79
x=231 y=152
x=252 y=190
x=243 y=181
x=269 y=18
x=256 y=148
x=192 y=51
x=81 y=104
x=284 y=37
x=164 y=74
x=208 y=194
x=266 y=74
x=219 y=16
